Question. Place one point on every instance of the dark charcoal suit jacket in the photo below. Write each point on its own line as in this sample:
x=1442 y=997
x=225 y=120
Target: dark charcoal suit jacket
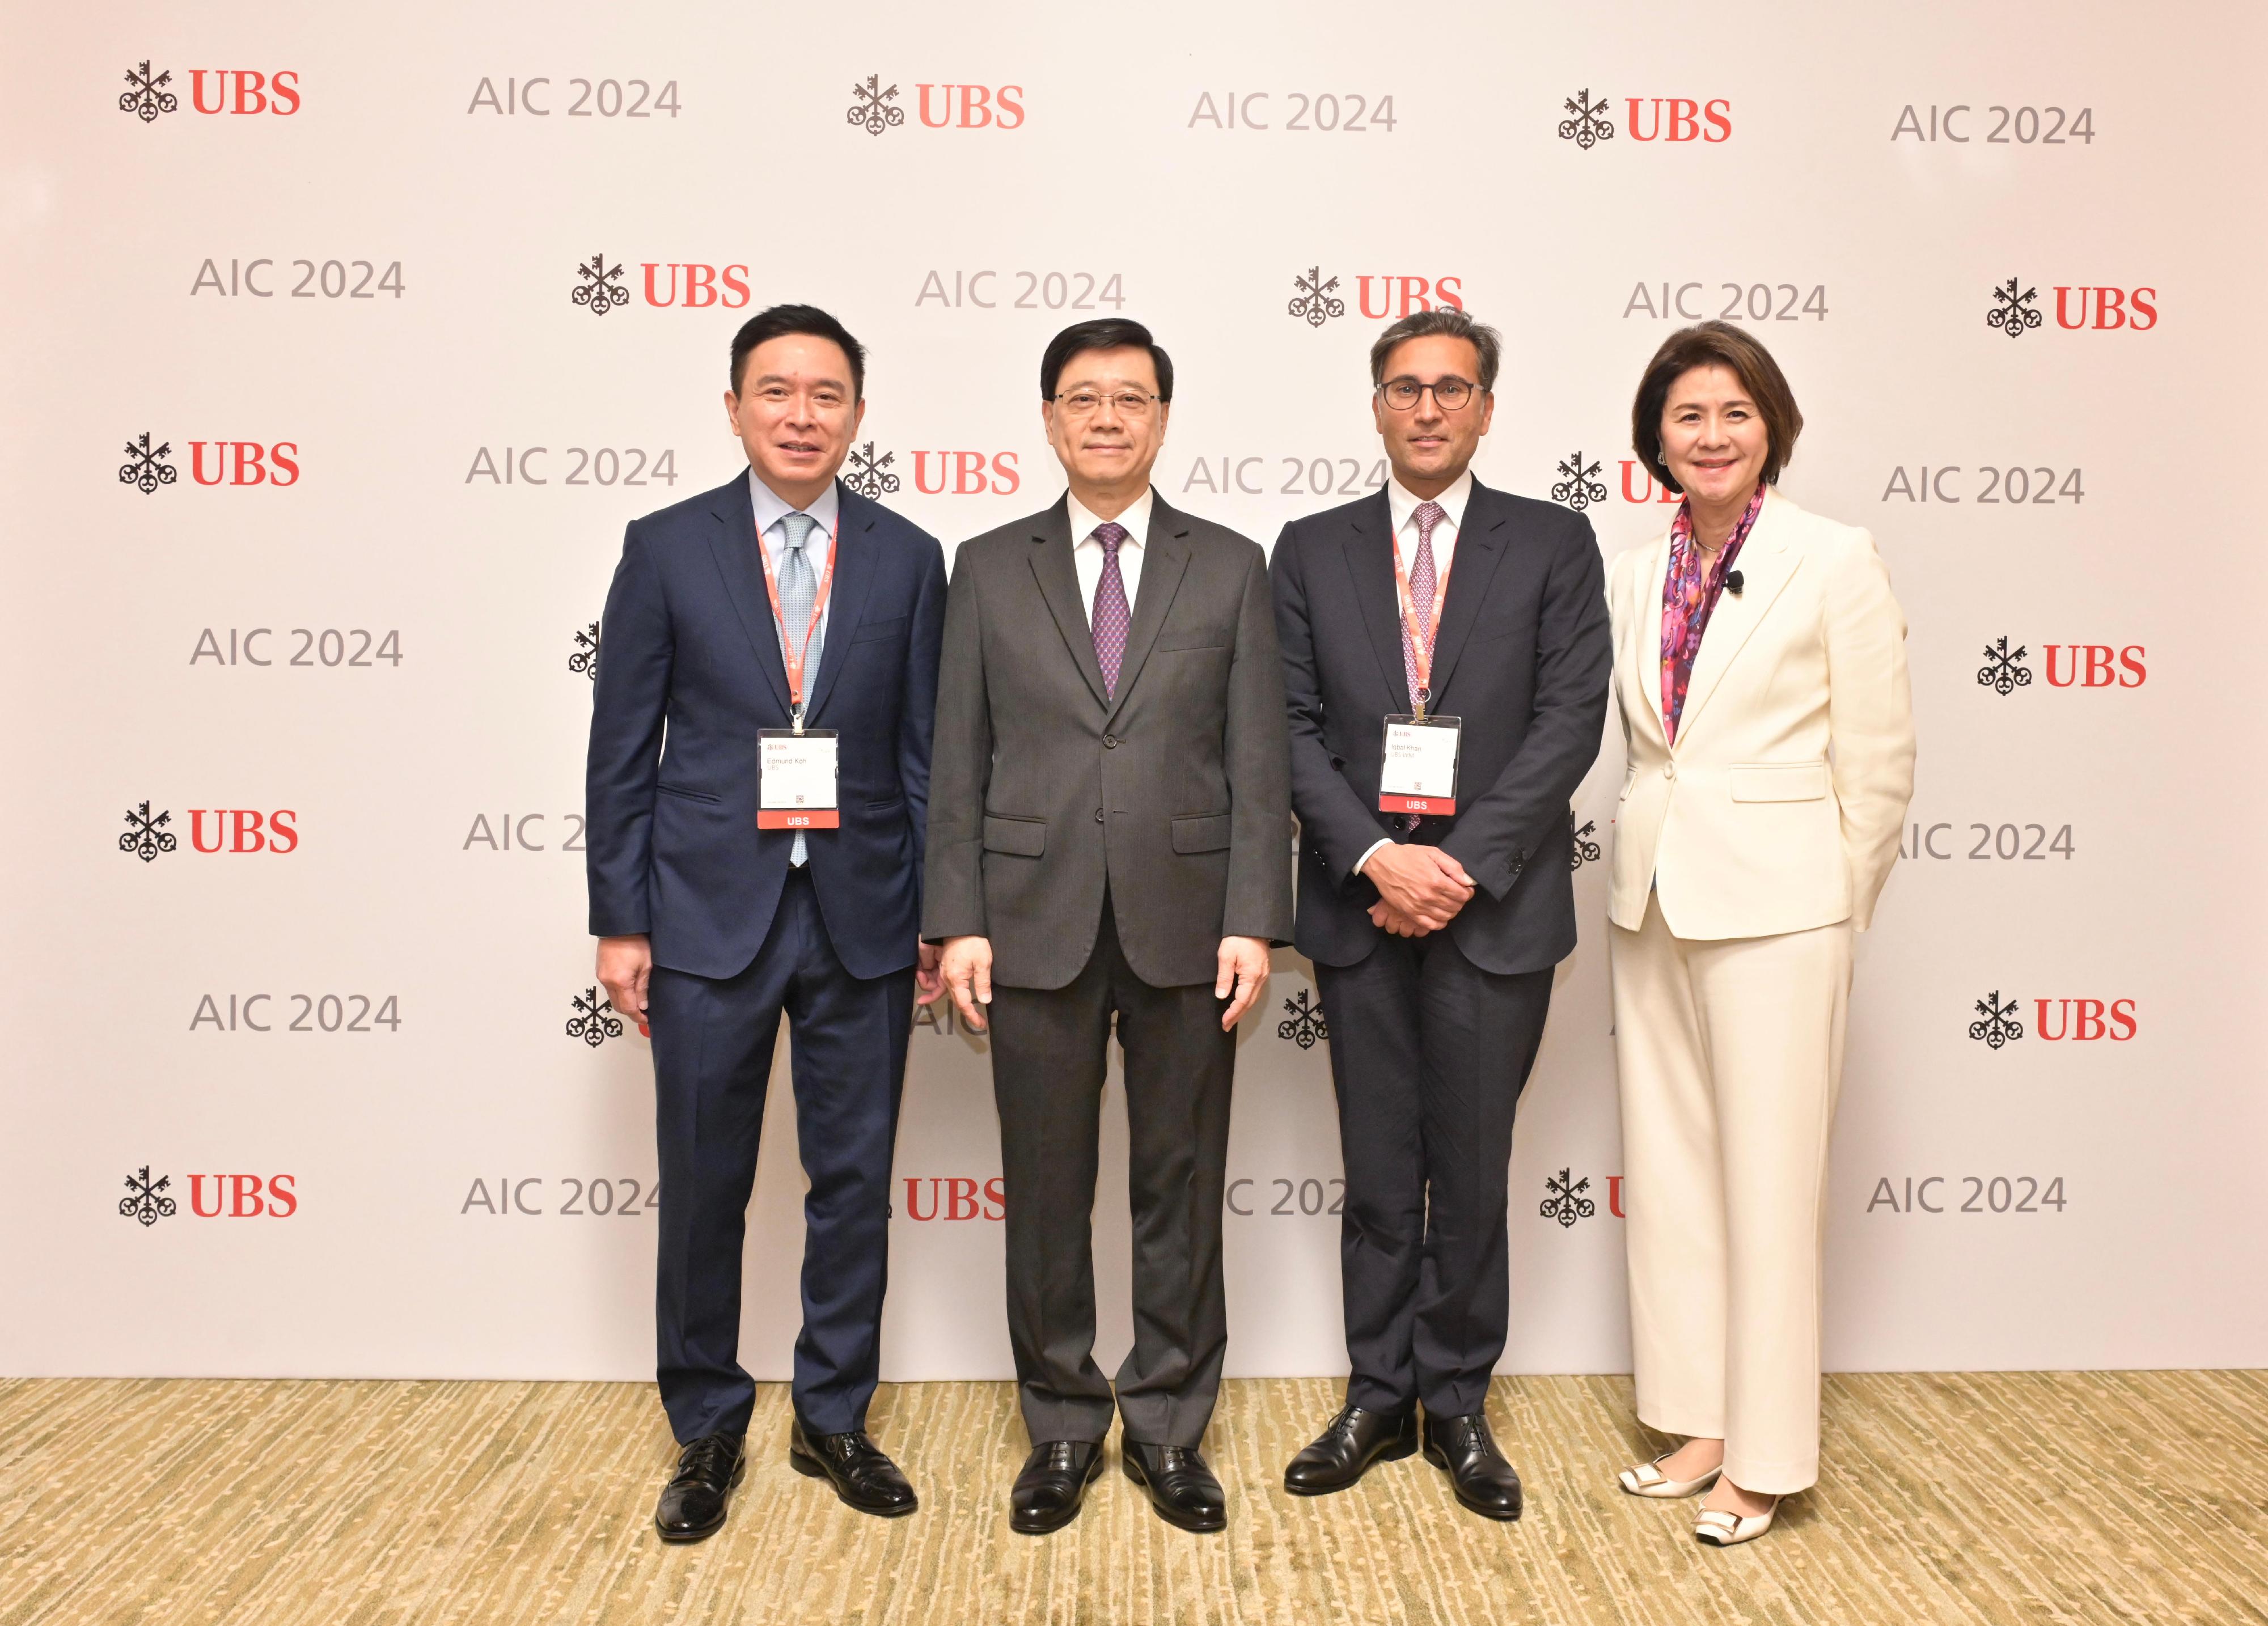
x=1175 y=791
x=690 y=640
x=1524 y=656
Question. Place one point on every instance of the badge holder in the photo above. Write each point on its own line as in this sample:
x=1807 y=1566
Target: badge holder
x=795 y=783
x=1419 y=771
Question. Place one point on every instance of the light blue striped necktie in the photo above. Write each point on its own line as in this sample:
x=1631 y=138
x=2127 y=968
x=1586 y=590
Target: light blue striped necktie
x=797 y=587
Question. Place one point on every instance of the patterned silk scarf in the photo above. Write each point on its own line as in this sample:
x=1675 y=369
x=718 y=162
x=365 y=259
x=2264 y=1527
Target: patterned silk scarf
x=1689 y=597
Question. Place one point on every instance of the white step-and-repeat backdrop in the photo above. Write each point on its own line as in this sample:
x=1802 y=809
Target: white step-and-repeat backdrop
x=339 y=347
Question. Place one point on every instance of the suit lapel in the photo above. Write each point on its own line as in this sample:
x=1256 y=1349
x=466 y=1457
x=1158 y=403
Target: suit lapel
x=1642 y=668
x=854 y=562
x=1480 y=549
x=1369 y=556
x=1165 y=560
x=733 y=545
x=1766 y=564
x=1059 y=580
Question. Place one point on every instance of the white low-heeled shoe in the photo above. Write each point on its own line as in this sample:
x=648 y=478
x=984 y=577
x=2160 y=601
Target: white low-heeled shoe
x=1718 y=1527
x=1648 y=1480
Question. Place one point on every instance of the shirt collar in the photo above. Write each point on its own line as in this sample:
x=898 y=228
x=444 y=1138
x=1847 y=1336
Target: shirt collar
x=771 y=507
x=1401 y=504
x=1136 y=519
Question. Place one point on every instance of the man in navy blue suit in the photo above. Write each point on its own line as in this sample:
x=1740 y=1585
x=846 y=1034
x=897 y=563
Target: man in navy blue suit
x=760 y=856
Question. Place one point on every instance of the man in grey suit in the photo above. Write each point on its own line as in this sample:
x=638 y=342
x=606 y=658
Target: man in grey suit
x=1109 y=831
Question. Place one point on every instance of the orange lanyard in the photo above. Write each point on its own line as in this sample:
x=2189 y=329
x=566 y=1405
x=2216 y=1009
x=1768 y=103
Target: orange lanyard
x=793 y=653
x=1421 y=649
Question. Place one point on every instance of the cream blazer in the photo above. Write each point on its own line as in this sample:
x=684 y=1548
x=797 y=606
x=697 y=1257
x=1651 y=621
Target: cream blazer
x=1780 y=806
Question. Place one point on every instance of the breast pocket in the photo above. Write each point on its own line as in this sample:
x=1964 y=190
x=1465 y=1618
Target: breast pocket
x=1780 y=782
x=875 y=631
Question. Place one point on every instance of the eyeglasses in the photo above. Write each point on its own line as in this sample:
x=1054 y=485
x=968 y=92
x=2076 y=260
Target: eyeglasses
x=1086 y=403
x=1449 y=393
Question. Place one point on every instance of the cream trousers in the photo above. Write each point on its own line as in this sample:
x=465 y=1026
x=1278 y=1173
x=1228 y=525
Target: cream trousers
x=1731 y=1057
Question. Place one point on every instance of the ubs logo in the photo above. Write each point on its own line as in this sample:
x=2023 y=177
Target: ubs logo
x=585 y=661
x=594 y=1021
x=211 y=463
x=941 y=106
x=2016 y=310
x=234 y=91
x=146 y=469
x=233 y=829
x=1306 y=1024
x=145 y=1201
x=2068 y=665
x=1564 y=1199
x=869 y=475
x=1584 y=849
x=1587 y=123
x=1996 y=1026
x=1315 y=303
x=145 y=98
x=1579 y=485
x=599 y=287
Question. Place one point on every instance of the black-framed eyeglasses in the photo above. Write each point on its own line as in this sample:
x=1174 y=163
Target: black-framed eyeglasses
x=1086 y=403
x=1450 y=394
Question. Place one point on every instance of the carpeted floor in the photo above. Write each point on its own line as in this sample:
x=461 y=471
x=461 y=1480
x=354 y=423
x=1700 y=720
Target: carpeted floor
x=2019 y=1497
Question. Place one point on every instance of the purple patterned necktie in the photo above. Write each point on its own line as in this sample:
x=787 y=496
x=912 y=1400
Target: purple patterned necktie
x=1110 y=617
x=1422 y=584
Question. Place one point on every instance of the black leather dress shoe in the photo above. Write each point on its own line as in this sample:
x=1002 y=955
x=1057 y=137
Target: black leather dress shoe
x=1484 y=1482
x=1049 y=1491
x=862 y=1475
x=693 y=1504
x=1349 y=1443
x=1181 y=1488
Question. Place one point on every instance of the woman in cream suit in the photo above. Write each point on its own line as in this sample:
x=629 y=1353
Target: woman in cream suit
x=1760 y=665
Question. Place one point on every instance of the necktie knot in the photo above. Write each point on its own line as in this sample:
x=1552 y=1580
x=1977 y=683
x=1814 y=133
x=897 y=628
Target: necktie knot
x=1110 y=534
x=1429 y=515
x=798 y=528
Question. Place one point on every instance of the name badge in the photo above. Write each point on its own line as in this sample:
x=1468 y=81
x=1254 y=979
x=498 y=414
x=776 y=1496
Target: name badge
x=796 y=787
x=1420 y=772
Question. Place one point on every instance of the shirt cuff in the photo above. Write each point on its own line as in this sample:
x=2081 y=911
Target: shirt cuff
x=1367 y=851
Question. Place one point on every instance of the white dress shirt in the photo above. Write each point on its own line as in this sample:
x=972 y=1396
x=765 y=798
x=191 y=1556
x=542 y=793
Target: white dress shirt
x=1087 y=552
x=1402 y=508
x=772 y=511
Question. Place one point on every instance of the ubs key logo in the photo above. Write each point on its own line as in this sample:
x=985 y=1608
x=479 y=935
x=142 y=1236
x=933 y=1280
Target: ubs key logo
x=1579 y=485
x=1315 y=303
x=146 y=469
x=600 y=288
x=1564 y=1199
x=1305 y=1025
x=585 y=661
x=1996 y=1026
x=232 y=462
x=1584 y=849
x=146 y=836
x=145 y=1201
x=594 y=1021
x=235 y=829
x=869 y=475
x=1588 y=124
x=145 y=98
x=872 y=111
x=2068 y=665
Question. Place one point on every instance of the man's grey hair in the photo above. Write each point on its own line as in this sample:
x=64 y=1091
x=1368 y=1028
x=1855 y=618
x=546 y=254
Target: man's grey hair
x=1453 y=323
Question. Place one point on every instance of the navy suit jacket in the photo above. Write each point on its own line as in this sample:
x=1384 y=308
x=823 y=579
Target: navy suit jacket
x=690 y=641
x=1523 y=656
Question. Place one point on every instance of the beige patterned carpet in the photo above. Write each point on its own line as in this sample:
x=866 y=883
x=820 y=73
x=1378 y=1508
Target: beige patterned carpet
x=2030 y=1497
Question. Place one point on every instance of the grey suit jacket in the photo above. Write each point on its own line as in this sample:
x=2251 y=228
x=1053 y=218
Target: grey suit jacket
x=1176 y=791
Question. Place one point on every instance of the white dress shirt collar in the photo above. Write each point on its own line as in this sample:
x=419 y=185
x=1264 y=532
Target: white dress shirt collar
x=771 y=507
x=1402 y=505
x=1136 y=520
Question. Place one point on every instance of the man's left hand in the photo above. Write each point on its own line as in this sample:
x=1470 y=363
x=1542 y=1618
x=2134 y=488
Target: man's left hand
x=1244 y=968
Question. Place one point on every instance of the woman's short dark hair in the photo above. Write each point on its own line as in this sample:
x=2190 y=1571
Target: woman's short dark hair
x=1723 y=345
x=783 y=320
x=1111 y=333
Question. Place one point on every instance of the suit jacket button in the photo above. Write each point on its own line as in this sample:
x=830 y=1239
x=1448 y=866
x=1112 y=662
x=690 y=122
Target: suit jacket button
x=1110 y=742
x=1098 y=815
x=1669 y=770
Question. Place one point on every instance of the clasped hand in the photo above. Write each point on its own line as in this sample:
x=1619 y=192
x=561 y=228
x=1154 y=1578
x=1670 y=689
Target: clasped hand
x=1420 y=888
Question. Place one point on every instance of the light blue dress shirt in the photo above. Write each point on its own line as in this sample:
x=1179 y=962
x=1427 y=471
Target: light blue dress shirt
x=772 y=511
